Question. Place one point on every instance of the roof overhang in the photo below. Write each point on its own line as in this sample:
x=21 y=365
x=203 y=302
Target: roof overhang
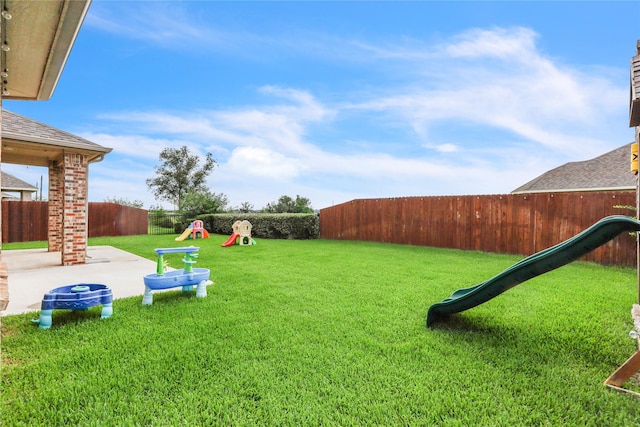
x=29 y=142
x=17 y=149
x=39 y=36
x=18 y=189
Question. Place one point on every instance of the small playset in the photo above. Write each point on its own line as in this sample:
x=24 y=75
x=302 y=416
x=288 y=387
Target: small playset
x=241 y=234
x=194 y=231
x=186 y=278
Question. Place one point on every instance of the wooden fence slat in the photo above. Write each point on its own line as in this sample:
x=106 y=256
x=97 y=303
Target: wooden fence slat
x=28 y=221
x=509 y=223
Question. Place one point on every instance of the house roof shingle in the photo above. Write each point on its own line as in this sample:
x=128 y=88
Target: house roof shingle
x=12 y=183
x=29 y=142
x=610 y=171
x=15 y=126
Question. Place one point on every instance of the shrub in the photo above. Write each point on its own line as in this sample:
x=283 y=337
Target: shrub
x=267 y=226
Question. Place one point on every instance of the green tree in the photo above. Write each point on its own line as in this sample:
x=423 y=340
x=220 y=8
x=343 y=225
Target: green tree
x=286 y=204
x=179 y=173
x=245 y=207
x=196 y=203
x=125 y=202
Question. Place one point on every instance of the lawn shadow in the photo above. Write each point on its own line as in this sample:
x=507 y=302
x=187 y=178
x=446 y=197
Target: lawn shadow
x=64 y=317
x=170 y=297
x=493 y=338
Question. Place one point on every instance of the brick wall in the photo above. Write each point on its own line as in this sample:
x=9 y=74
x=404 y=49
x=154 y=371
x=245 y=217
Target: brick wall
x=4 y=284
x=74 y=221
x=67 y=225
x=54 y=227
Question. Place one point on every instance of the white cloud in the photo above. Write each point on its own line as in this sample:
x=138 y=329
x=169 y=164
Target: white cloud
x=527 y=114
x=518 y=91
x=261 y=162
x=168 y=25
x=306 y=107
x=443 y=148
x=193 y=125
x=280 y=126
x=130 y=145
x=504 y=43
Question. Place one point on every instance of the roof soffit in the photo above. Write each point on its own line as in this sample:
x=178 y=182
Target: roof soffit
x=40 y=35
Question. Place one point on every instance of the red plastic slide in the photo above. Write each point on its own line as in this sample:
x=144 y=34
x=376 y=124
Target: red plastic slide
x=231 y=240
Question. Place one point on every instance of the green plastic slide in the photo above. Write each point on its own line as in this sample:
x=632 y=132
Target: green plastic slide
x=539 y=263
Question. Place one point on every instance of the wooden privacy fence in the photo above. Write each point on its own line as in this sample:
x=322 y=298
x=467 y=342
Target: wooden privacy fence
x=112 y=219
x=520 y=224
x=24 y=221
x=28 y=221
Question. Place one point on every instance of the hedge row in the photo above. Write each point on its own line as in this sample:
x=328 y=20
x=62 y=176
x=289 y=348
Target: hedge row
x=266 y=226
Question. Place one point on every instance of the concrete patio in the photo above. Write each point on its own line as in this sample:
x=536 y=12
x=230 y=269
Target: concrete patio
x=34 y=272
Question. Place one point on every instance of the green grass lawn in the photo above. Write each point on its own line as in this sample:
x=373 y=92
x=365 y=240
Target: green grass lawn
x=307 y=333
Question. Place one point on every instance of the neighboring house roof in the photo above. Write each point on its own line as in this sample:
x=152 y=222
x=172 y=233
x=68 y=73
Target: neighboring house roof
x=7 y=196
x=610 y=171
x=28 y=142
x=11 y=183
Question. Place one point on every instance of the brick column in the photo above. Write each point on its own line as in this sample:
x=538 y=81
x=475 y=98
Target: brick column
x=56 y=191
x=0 y=160
x=4 y=281
x=74 y=206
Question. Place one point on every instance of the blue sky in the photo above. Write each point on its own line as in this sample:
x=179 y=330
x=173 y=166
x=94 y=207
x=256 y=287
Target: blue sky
x=336 y=101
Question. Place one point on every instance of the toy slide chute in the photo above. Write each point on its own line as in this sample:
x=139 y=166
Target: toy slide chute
x=231 y=240
x=539 y=263
x=185 y=235
x=193 y=231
